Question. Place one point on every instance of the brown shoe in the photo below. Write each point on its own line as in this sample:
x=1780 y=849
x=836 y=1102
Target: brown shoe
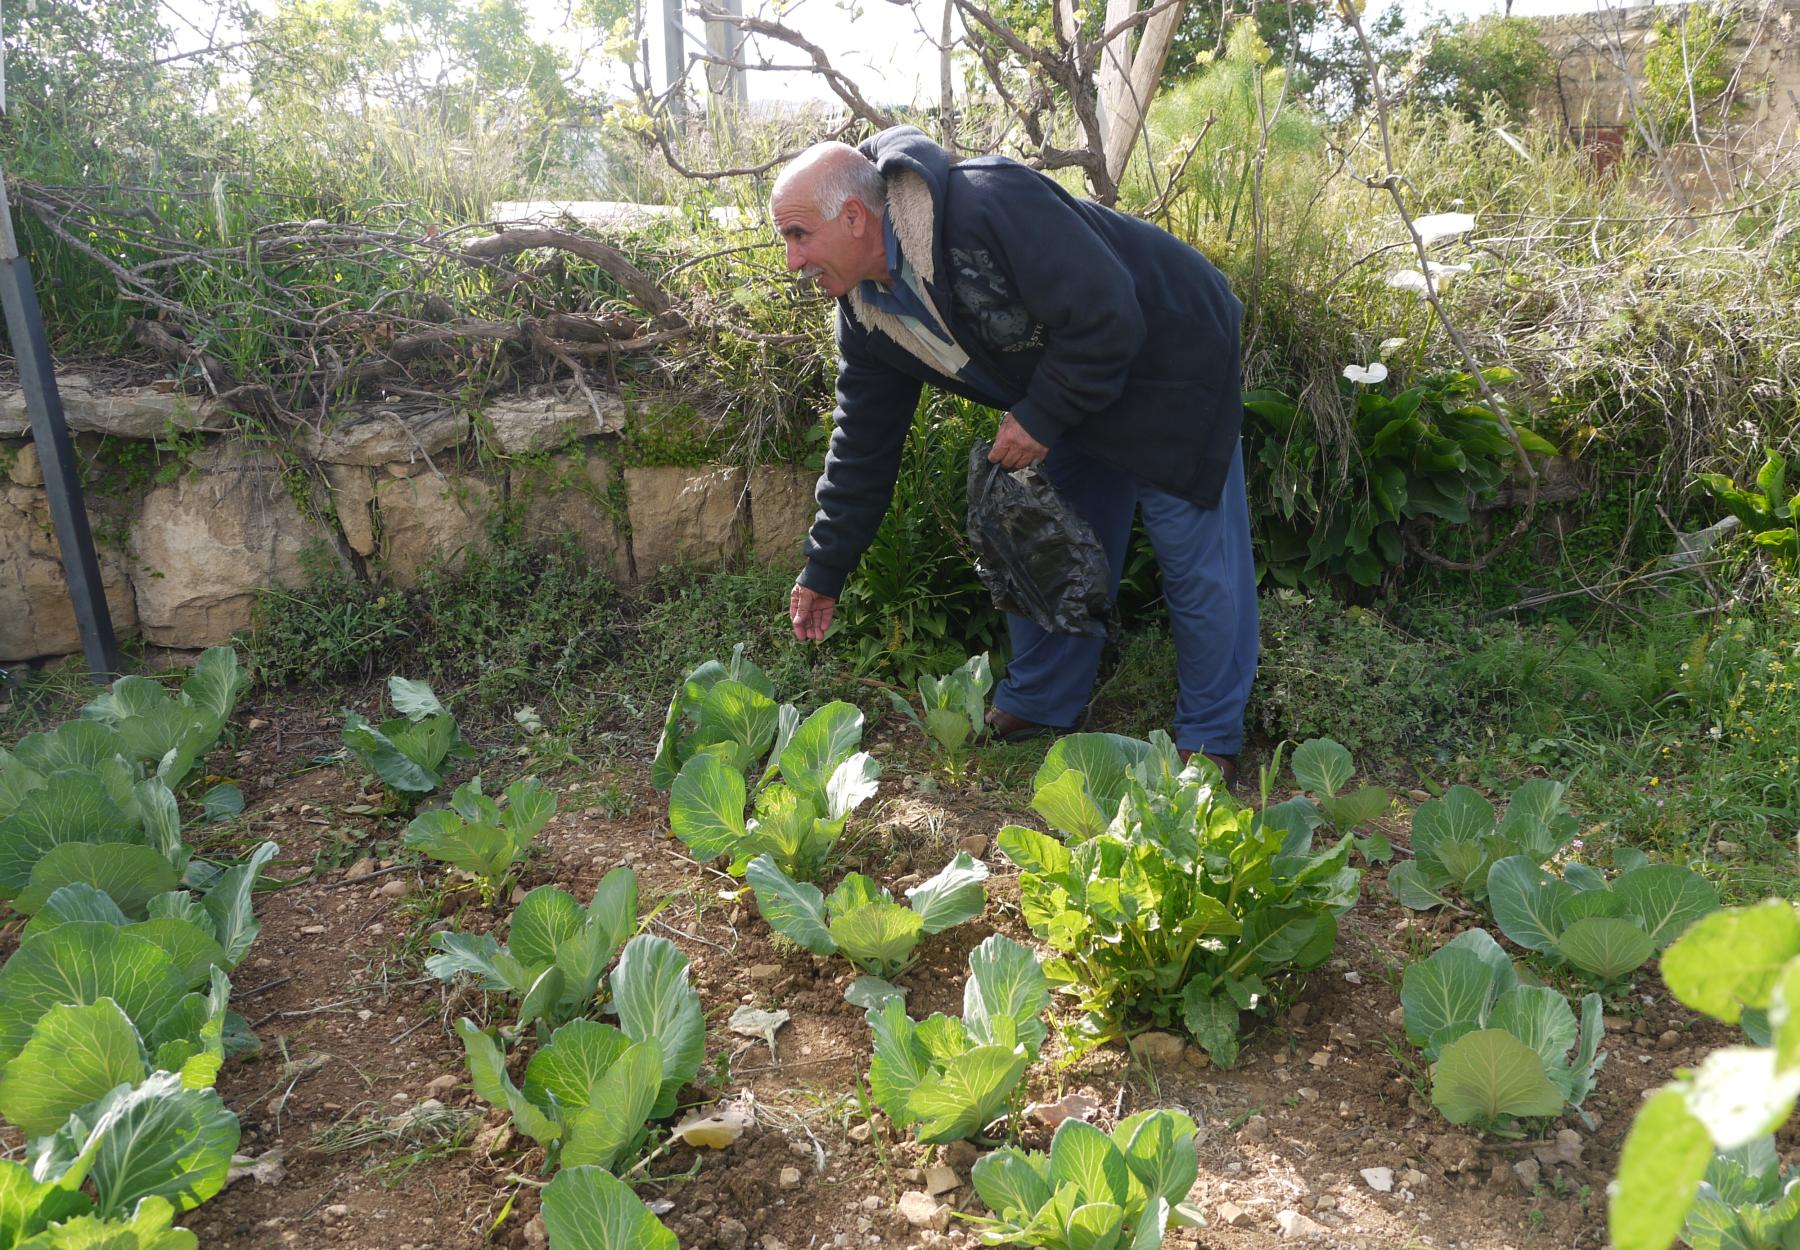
x=1226 y=764
x=1005 y=727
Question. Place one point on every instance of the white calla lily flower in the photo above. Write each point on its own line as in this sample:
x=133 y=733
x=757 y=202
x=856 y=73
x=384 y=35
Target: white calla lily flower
x=1366 y=375
x=1435 y=226
x=1407 y=280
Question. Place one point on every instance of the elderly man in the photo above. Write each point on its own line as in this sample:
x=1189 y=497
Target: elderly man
x=1111 y=347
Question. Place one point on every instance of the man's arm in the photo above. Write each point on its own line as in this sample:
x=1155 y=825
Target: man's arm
x=875 y=406
x=1071 y=283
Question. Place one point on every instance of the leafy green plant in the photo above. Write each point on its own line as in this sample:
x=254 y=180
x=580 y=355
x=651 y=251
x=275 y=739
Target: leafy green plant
x=1170 y=903
x=722 y=709
x=860 y=918
x=798 y=818
x=1768 y=514
x=1738 y=966
x=1122 y=1190
x=953 y=704
x=57 y=1215
x=1607 y=932
x=170 y=734
x=590 y=1088
x=588 y=1208
x=1425 y=451
x=1499 y=1048
x=950 y=1078
x=413 y=752
x=1457 y=840
x=1747 y=1201
x=556 y=950
x=477 y=836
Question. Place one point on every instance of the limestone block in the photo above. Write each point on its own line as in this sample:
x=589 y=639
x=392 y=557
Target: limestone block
x=36 y=618
x=91 y=405
x=374 y=434
x=781 y=510
x=429 y=516
x=353 y=498
x=22 y=464
x=570 y=496
x=684 y=515
x=545 y=423
x=208 y=541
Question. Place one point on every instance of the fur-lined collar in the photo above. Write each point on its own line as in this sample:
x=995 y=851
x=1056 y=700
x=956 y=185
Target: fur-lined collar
x=910 y=208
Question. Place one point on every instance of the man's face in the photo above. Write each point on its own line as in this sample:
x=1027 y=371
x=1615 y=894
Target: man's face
x=836 y=254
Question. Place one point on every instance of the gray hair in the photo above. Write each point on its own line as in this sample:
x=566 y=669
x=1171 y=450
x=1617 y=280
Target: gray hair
x=838 y=172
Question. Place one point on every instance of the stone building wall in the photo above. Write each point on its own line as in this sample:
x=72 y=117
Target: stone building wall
x=1599 y=60
x=387 y=488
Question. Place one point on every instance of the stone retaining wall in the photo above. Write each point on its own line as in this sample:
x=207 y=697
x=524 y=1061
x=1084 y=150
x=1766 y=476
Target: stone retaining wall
x=385 y=488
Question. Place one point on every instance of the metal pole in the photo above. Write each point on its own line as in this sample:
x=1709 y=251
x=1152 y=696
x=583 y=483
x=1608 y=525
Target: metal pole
x=37 y=378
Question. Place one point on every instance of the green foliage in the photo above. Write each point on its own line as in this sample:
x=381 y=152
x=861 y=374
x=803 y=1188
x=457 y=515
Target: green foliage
x=1747 y=1201
x=556 y=950
x=1607 y=932
x=815 y=777
x=954 y=705
x=1500 y=1048
x=1768 y=513
x=949 y=1078
x=411 y=753
x=1458 y=839
x=1093 y=1189
x=587 y=1208
x=727 y=710
x=1687 y=68
x=860 y=918
x=1425 y=451
x=1171 y=904
x=1466 y=65
x=170 y=734
x=475 y=835
x=1730 y=964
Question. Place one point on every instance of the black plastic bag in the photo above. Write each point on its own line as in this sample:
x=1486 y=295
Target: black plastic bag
x=1037 y=558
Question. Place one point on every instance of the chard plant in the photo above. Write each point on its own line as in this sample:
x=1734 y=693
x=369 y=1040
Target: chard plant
x=953 y=706
x=414 y=752
x=1604 y=931
x=589 y=1090
x=477 y=836
x=556 y=950
x=815 y=777
x=1170 y=905
x=861 y=920
x=948 y=1078
x=1124 y=1190
x=1500 y=1049
x=1740 y=966
x=1457 y=840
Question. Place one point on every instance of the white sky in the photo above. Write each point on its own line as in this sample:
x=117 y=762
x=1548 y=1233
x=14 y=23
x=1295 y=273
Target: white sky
x=878 y=43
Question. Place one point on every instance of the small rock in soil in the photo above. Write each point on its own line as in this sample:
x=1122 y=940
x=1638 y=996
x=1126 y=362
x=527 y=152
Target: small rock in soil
x=1454 y=1151
x=1295 y=1226
x=923 y=1211
x=859 y=1132
x=312 y=930
x=1412 y=1178
x=1256 y=1129
x=1381 y=1180
x=336 y=1213
x=399 y=887
x=941 y=1180
x=975 y=844
x=441 y=1085
x=731 y=1234
x=1158 y=1047
x=1566 y=1149
x=764 y=972
x=960 y=1155
x=1298 y=1014
x=790 y=1177
x=1615 y=1024
x=1194 y=1057
x=1232 y=1215
x=1669 y=1040
x=871 y=1203
x=537 y=1237
x=1527 y=1172
x=360 y=869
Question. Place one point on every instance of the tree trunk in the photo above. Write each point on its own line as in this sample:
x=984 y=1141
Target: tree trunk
x=1127 y=79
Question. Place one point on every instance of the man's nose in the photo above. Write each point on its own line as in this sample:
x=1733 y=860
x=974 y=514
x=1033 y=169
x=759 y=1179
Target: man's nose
x=794 y=259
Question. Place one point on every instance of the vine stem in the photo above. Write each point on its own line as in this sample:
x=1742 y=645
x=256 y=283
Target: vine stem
x=1391 y=183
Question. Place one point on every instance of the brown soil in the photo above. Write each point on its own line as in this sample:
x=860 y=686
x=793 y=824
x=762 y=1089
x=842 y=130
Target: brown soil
x=355 y=1034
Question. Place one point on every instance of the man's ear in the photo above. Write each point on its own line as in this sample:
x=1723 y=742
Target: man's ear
x=856 y=217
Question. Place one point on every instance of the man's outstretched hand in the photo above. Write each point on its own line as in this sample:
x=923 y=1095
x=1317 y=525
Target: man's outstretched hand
x=810 y=612
x=1014 y=448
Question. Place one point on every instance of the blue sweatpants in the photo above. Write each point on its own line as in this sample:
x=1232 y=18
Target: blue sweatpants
x=1209 y=582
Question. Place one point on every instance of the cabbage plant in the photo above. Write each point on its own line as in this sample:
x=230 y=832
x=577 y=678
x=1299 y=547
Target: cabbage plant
x=860 y=919
x=413 y=752
x=1169 y=904
x=1607 y=932
x=953 y=705
x=1747 y=1201
x=949 y=1078
x=1500 y=1049
x=556 y=950
x=169 y=733
x=1456 y=841
x=588 y=1208
x=589 y=1090
x=815 y=778
x=1122 y=1190
x=476 y=835
x=723 y=709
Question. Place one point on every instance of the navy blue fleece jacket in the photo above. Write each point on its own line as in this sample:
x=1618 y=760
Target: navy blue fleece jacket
x=1095 y=328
